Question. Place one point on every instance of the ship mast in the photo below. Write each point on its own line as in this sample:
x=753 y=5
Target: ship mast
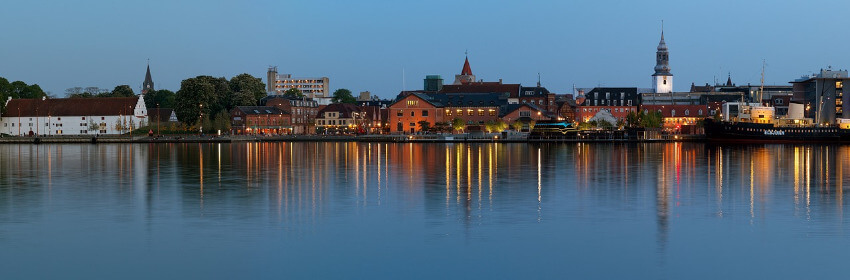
x=761 y=88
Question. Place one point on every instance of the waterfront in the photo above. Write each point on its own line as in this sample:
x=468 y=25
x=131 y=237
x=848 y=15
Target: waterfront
x=404 y=210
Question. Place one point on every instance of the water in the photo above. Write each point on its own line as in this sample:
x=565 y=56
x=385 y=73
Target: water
x=423 y=211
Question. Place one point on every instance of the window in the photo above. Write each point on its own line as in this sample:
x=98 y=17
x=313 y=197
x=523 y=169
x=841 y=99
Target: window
x=524 y=113
x=424 y=113
x=469 y=112
x=607 y=95
x=412 y=125
x=492 y=112
x=480 y=112
x=448 y=112
x=630 y=102
x=687 y=112
x=400 y=113
x=699 y=112
x=84 y=118
x=412 y=113
x=459 y=112
x=529 y=92
x=672 y=113
x=399 y=127
x=412 y=102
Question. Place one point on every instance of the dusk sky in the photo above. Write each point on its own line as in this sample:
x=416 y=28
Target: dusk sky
x=367 y=45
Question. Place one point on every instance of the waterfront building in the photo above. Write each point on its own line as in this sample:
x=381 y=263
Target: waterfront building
x=312 y=87
x=567 y=109
x=539 y=96
x=617 y=101
x=662 y=79
x=822 y=95
x=302 y=111
x=405 y=115
x=147 y=85
x=376 y=114
x=73 y=116
x=341 y=118
x=265 y=120
x=679 y=118
x=524 y=113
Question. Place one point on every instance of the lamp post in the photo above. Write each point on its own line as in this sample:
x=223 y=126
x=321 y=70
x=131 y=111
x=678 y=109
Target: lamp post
x=159 y=117
x=201 y=120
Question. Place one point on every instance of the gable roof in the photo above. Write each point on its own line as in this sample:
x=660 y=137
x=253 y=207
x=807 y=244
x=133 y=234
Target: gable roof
x=160 y=114
x=97 y=106
x=344 y=109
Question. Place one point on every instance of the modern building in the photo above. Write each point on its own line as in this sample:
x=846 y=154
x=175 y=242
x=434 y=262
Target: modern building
x=312 y=87
x=662 y=80
x=822 y=95
x=73 y=116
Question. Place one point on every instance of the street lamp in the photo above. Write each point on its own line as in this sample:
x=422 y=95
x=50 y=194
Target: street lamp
x=159 y=117
x=201 y=120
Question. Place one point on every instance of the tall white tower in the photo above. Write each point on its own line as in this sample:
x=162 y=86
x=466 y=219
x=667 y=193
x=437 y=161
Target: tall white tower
x=662 y=80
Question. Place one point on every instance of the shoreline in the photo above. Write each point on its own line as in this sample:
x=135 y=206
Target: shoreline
x=315 y=138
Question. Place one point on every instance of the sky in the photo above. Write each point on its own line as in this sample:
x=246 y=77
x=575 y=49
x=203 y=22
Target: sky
x=388 y=46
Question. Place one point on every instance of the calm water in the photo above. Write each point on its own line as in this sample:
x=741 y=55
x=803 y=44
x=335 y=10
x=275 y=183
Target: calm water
x=397 y=211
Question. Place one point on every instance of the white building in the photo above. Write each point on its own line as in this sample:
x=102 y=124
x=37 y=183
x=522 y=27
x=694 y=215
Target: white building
x=312 y=87
x=662 y=80
x=73 y=116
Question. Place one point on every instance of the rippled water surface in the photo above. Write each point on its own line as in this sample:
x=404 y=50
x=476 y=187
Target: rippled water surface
x=400 y=211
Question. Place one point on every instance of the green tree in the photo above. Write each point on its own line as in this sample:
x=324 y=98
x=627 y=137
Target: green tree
x=458 y=124
x=222 y=121
x=293 y=93
x=202 y=94
x=343 y=96
x=246 y=90
x=604 y=124
x=120 y=91
x=160 y=99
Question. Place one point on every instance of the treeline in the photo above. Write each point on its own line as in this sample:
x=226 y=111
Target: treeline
x=87 y=92
x=17 y=89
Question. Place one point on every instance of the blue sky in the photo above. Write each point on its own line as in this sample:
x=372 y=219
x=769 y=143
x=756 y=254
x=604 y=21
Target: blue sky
x=365 y=45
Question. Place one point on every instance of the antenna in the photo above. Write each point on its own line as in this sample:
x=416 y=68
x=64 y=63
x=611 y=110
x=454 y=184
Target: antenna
x=402 y=79
x=538 y=79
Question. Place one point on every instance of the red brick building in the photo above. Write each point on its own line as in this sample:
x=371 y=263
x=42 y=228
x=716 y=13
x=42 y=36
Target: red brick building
x=265 y=120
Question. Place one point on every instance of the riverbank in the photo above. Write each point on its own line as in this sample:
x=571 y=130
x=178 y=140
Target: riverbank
x=457 y=138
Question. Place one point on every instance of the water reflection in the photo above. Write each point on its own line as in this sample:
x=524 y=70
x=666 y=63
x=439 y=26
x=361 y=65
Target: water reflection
x=461 y=189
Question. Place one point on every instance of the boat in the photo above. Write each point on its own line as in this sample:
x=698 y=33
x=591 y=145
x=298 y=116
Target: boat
x=756 y=122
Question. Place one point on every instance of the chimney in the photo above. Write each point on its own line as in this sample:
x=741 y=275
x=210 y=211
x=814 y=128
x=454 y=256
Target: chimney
x=500 y=81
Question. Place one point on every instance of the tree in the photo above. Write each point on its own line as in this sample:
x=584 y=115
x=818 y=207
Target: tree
x=495 y=126
x=343 y=96
x=632 y=119
x=293 y=93
x=221 y=121
x=424 y=125
x=246 y=89
x=159 y=99
x=200 y=95
x=458 y=124
x=517 y=125
x=120 y=91
x=651 y=119
x=604 y=124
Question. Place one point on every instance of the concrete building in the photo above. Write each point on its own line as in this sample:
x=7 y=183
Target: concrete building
x=822 y=95
x=73 y=116
x=311 y=87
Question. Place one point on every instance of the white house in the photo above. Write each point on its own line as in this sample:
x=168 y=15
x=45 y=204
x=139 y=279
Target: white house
x=73 y=116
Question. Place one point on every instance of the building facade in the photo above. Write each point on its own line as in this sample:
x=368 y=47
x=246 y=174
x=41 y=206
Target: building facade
x=264 y=120
x=302 y=111
x=311 y=87
x=73 y=116
x=341 y=118
x=822 y=95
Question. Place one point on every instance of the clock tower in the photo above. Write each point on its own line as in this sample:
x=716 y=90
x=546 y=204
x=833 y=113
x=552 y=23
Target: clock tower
x=662 y=80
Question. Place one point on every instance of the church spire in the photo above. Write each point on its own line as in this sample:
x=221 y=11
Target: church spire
x=466 y=69
x=662 y=79
x=148 y=84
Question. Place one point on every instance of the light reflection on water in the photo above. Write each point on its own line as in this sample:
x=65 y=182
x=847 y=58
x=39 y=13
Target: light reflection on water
x=386 y=210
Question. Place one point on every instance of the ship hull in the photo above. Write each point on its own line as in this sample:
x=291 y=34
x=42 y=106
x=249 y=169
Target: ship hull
x=742 y=132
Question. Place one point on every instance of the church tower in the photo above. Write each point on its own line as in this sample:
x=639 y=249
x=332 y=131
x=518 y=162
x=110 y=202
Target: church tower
x=465 y=76
x=662 y=80
x=148 y=84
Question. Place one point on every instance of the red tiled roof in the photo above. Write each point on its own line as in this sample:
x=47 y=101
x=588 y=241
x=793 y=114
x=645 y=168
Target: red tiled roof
x=102 y=106
x=344 y=109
